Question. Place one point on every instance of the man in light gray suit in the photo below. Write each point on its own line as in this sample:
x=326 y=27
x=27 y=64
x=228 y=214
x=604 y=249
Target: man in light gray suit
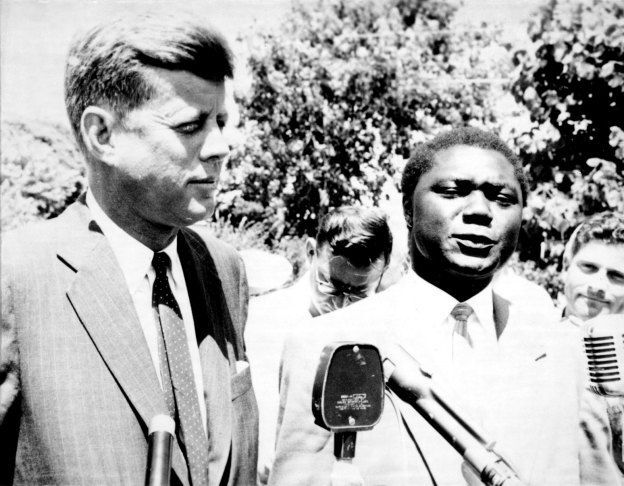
x=116 y=311
x=496 y=353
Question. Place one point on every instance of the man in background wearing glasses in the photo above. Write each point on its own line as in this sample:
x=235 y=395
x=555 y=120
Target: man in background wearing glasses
x=348 y=258
x=347 y=262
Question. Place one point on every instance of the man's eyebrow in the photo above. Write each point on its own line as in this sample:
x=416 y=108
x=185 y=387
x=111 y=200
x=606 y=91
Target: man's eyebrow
x=483 y=184
x=460 y=181
x=500 y=185
x=186 y=111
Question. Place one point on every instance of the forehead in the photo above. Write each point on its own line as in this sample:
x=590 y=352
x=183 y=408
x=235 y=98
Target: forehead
x=174 y=88
x=464 y=162
x=338 y=268
x=603 y=254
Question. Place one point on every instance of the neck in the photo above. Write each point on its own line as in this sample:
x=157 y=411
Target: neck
x=154 y=236
x=460 y=287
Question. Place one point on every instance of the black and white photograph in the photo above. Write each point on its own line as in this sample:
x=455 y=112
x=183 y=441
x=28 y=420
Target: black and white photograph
x=312 y=242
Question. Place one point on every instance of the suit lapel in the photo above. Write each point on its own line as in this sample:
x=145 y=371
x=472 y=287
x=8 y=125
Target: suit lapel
x=402 y=316
x=522 y=352
x=103 y=304
x=517 y=383
x=212 y=322
x=517 y=331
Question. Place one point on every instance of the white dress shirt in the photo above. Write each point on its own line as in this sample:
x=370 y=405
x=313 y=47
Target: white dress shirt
x=435 y=306
x=135 y=261
x=459 y=370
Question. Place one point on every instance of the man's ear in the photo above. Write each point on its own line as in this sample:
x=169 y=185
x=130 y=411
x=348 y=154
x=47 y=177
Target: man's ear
x=310 y=249
x=96 y=125
x=407 y=211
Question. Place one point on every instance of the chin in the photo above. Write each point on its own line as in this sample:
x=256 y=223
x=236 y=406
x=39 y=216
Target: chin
x=472 y=267
x=198 y=212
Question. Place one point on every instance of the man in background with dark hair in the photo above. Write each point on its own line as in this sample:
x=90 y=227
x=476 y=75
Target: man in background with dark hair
x=594 y=268
x=348 y=258
x=116 y=311
x=346 y=261
x=505 y=364
x=593 y=279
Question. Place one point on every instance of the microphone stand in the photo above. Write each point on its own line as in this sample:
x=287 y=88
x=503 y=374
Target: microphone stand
x=344 y=472
x=402 y=371
x=160 y=437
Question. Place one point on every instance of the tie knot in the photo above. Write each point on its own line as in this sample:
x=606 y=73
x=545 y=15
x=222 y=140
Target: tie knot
x=161 y=263
x=461 y=312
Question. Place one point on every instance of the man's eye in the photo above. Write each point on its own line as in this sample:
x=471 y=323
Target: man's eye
x=450 y=191
x=505 y=199
x=616 y=277
x=190 y=128
x=588 y=267
x=221 y=121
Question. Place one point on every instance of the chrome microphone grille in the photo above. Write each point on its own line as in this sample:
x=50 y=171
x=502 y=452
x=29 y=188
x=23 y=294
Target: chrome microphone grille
x=604 y=348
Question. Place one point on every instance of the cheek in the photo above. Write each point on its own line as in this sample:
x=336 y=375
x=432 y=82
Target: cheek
x=574 y=280
x=431 y=222
x=511 y=224
x=618 y=295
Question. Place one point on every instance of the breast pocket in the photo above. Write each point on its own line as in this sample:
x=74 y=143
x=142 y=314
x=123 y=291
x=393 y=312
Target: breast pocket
x=241 y=381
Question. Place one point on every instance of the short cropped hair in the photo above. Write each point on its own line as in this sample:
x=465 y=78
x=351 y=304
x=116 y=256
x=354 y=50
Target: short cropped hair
x=606 y=227
x=422 y=159
x=107 y=65
x=359 y=234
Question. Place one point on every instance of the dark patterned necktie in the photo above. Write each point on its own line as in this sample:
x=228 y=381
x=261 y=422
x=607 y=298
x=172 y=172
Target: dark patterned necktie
x=178 y=364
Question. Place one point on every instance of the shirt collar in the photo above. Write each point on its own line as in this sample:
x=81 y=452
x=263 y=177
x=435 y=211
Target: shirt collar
x=439 y=304
x=134 y=258
x=436 y=304
x=483 y=307
x=575 y=321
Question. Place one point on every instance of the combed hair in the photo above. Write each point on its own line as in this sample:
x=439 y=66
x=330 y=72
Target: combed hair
x=606 y=227
x=422 y=158
x=359 y=234
x=107 y=65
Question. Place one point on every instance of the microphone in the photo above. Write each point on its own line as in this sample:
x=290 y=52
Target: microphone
x=411 y=384
x=347 y=397
x=604 y=350
x=160 y=437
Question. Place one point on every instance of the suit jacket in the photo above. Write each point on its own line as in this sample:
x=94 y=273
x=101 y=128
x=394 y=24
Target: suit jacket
x=78 y=387
x=271 y=316
x=527 y=399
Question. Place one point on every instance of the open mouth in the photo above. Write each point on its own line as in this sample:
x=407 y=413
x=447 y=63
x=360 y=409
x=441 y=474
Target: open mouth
x=474 y=244
x=596 y=300
x=207 y=181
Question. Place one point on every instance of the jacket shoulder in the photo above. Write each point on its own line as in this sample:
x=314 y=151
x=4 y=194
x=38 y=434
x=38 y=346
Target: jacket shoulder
x=219 y=250
x=38 y=233
x=29 y=246
x=229 y=268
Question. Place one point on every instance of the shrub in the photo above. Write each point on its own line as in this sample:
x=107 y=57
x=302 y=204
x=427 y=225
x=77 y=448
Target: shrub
x=572 y=83
x=340 y=95
x=42 y=172
x=244 y=235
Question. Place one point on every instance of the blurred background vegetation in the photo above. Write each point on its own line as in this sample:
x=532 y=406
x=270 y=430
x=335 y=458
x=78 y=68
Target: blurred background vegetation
x=343 y=90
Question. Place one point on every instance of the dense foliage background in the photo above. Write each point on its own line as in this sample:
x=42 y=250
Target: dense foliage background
x=344 y=90
x=339 y=97
x=572 y=83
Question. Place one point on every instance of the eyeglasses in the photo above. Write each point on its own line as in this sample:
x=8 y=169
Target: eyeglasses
x=325 y=287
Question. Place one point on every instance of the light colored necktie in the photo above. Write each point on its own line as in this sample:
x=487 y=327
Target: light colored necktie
x=178 y=359
x=461 y=312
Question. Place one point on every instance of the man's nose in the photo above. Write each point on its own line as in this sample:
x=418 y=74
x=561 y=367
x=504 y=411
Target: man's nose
x=215 y=144
x=597 y=283
x=477 y=209
x=340 y=301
